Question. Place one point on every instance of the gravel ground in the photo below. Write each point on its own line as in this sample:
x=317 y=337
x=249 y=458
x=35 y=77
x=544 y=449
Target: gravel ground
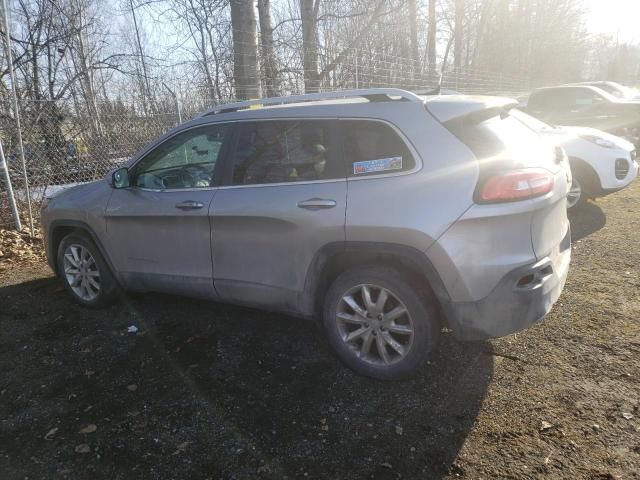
x=206 y=390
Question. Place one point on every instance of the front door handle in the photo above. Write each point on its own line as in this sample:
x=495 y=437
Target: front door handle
x=317 y=203
x=189 y=205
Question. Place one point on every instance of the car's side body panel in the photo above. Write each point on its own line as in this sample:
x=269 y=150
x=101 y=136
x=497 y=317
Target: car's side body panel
x=264 y=243
x=80 y=205
x=155 y=245
x=410 y=208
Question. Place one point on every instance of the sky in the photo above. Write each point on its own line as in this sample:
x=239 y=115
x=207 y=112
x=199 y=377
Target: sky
x=620 y=17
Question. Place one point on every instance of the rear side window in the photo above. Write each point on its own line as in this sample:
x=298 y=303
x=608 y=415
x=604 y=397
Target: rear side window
x=285 y=151
x=374 y=148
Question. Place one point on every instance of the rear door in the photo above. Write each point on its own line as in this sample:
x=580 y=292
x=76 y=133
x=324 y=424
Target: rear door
x=159 y=229
x=284 y=199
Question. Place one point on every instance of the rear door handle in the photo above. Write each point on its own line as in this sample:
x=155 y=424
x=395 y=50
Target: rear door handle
x=189 y=205
x=317 y=203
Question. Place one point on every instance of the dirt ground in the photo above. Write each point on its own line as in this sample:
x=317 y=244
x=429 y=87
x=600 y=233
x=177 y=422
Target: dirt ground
x=205 y=390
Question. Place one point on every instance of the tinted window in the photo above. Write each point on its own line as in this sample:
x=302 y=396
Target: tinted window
x=186 y=160
x=374 y=148
x=584 y=96
x=284 y=151
x=550 y=99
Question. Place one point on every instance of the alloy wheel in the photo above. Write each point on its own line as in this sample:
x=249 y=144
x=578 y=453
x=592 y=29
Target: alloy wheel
x=81 y=272
x=575 y=192
x=375 y=324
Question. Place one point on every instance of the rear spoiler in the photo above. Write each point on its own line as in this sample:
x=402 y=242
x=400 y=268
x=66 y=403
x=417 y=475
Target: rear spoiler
x=461 y=109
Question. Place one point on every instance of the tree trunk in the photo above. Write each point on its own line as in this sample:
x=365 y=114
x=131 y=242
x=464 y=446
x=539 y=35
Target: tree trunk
x=245 y=49
x=458 y=34
x=147 y=95
x=413 y=33
x=431 y=40
x=266 y=42
x=308 y=10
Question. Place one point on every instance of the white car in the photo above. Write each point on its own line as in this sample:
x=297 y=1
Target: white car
x=613 y=88
x=601 y=163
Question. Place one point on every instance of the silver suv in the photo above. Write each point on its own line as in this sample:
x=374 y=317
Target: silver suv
x=385 y=215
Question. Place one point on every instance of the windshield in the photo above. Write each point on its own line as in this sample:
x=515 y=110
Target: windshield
x=612 y=88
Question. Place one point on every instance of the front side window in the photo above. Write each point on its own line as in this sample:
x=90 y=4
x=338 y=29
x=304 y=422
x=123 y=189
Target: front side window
x=284 y=151
x=186 y=160
x=372 y=147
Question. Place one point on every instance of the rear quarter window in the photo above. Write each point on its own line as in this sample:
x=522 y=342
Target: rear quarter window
x=504 y=140
x=374 y=148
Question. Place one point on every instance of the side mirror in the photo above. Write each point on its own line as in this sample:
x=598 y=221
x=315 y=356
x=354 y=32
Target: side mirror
x=120 y=178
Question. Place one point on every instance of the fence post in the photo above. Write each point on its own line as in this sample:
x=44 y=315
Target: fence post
x=16 y=110
x=4 y=169
x=357 y=79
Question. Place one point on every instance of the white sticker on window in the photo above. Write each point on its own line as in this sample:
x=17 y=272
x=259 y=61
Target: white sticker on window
x=378 y=165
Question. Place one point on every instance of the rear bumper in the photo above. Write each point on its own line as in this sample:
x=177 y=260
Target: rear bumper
x=521 y=299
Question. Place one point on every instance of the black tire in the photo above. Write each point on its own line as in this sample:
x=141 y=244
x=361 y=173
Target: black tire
x=108 y=286
x=405 y=292
x=587 y=180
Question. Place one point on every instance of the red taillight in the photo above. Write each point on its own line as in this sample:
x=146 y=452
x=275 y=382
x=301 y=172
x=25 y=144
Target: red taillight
x=516 y=185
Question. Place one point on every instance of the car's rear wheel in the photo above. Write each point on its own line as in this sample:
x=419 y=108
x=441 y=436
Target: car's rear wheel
x=84 y=271
x=379 y=323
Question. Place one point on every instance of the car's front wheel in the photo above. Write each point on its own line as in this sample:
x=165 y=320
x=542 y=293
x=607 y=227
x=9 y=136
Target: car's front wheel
x=379 y=323
x=85 y=273
x=576 y=197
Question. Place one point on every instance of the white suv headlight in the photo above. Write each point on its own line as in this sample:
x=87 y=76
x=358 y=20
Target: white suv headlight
x=600 y=141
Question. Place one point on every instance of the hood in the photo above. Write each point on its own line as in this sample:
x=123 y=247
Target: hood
x=53 y=191
x=70 y=189
x=578 y=131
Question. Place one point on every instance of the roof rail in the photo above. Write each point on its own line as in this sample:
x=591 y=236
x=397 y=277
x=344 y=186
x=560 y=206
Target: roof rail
x=372 y=94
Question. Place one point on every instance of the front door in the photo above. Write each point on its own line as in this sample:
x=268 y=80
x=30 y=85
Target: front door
x=159 y=229
x=285 y=199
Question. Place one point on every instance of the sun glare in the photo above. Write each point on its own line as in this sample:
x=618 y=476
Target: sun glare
x=615 y=17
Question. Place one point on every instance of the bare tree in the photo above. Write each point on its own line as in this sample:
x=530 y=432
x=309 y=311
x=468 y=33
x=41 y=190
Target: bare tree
x=431 y=42
x=245 y=49
x=269 y=65
x=309 y=15
x=458 y=32
x=413 y=34
x=145 y=74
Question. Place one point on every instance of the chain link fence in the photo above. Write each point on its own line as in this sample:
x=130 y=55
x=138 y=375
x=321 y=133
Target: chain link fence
x=70 y=141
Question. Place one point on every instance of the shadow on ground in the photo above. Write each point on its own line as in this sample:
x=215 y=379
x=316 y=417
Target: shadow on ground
x=587 y=220
x=212 y=391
